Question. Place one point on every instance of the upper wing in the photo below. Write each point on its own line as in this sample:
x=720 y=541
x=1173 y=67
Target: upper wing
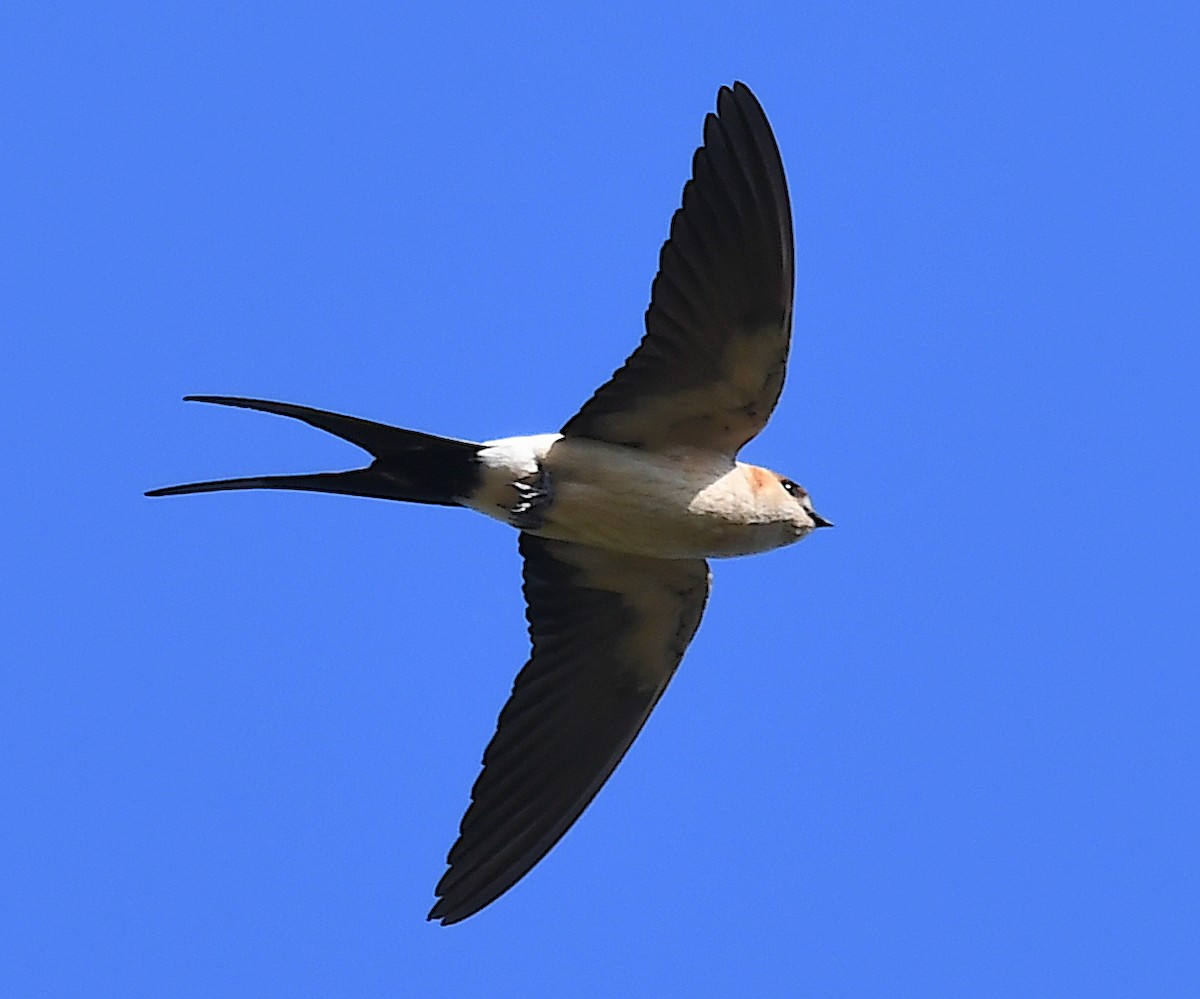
x=710 y=368
x=608 y=631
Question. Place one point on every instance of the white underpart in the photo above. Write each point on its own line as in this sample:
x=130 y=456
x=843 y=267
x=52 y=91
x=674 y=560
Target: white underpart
x=684 y=503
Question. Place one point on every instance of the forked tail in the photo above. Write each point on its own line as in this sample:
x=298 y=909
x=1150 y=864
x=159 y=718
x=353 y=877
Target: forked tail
x=408 y=465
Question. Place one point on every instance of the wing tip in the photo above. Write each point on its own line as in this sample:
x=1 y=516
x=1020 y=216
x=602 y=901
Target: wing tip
x=438 y=915
x=446 y=912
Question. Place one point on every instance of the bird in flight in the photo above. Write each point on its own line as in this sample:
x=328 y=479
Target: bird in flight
x=619 y=510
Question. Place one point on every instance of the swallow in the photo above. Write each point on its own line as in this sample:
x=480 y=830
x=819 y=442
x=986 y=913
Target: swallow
x=619 y=510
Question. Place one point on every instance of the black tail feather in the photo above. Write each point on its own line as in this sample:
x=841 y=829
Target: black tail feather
x=408 y=465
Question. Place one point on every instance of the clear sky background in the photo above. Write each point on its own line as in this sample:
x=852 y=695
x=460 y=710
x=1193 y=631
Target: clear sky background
x=947 y=749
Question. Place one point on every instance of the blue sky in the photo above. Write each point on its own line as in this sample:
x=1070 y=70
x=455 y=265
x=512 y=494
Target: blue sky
x=947 y=749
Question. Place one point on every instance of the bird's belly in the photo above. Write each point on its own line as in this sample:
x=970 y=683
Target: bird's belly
x=620 y=522
x=681 y=506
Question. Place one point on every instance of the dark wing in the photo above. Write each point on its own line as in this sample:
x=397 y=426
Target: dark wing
x=710 y=368
x=608 y=631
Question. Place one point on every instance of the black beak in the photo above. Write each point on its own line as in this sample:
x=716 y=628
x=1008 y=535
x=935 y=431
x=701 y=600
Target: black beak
x=819 y=520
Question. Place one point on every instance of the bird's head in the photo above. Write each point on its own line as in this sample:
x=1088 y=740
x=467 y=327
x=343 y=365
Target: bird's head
x=793 y=500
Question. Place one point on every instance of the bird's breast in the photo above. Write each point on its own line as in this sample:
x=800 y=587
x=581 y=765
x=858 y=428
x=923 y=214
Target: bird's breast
x=680 y=504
